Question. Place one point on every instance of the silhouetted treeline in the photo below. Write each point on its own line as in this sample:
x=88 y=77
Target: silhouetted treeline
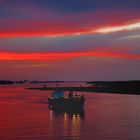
x=130 y=87
x=115 y=83
x=122 y=87
x=35 y=81
x=6 y=82
x=102 y=89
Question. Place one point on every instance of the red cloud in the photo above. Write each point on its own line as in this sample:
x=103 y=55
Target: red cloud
x=64 y=55
x=83 y=23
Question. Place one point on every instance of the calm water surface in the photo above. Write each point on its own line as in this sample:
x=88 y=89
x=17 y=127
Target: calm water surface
x=24 y=115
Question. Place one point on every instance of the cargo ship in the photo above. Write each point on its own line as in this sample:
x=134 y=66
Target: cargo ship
x=59 y=101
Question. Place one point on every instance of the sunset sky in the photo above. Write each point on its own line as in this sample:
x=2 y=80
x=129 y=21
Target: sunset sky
x=70 y=39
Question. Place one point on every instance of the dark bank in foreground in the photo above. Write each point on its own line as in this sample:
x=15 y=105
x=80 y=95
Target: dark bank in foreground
x=121 y=87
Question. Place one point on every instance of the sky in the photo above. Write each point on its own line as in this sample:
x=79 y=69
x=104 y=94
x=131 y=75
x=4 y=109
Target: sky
x=70 y=40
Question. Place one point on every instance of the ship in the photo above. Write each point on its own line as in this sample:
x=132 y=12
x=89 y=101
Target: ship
x=59 y=101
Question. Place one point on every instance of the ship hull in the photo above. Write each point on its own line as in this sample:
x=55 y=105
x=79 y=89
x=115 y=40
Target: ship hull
x=65 y=104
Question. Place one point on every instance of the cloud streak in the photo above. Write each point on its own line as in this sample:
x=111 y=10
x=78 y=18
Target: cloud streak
x=52 y=56
x=51 y=29
x=128 y=27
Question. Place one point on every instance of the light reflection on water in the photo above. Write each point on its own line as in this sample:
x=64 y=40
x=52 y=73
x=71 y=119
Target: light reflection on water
x=24 y=115
x=71 y=123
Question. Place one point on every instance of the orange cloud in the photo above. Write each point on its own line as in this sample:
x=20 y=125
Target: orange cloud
x=64 y=55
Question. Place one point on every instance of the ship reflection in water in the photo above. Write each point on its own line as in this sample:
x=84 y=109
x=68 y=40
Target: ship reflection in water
x=70 y=113
x=70 y=122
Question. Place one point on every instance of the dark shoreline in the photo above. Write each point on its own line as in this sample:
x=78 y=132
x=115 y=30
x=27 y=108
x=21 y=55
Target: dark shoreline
x=133 y=90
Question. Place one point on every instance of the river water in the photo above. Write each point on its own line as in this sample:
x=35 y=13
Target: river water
x=24 y=115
